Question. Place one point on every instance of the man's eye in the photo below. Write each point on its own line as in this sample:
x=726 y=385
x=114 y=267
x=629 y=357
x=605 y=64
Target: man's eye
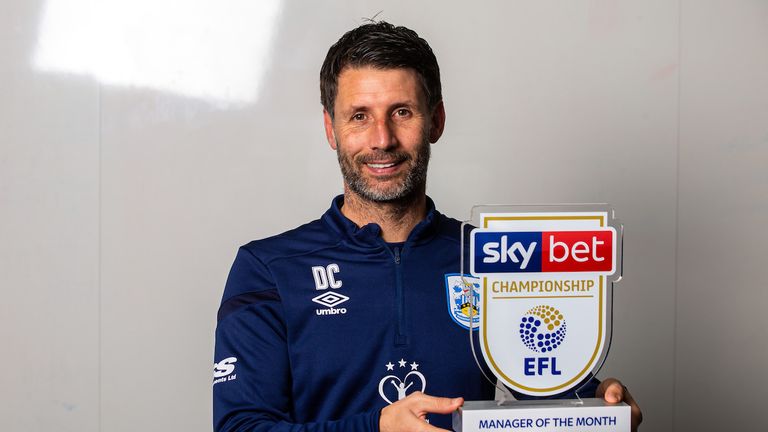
x=358 y=117
x=402 y=112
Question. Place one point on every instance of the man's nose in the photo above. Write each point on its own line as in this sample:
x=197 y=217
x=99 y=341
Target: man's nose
x=384 y=135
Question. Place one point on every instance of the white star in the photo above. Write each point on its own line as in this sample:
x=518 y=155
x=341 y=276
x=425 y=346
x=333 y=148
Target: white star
x=414 y=366
x=389 y=366
x=402 y=363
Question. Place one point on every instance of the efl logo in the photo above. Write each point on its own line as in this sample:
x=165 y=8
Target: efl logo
x=500 y=252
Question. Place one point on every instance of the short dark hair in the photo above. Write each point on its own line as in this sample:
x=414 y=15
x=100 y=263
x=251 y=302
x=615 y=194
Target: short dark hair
x=384 y=46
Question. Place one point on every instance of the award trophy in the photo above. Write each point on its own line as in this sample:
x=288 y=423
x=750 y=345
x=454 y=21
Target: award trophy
x=545 y=276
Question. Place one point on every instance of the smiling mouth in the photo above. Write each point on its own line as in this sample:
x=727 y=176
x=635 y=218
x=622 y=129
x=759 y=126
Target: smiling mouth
x=381 y=165
x=384 y=163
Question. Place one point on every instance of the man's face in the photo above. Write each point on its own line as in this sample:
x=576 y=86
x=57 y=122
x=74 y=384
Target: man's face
x=382 y=131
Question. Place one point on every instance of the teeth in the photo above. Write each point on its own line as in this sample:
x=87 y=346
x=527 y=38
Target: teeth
x=381 y=165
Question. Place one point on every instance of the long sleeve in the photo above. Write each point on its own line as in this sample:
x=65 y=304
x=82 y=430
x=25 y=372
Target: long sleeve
x=252 y=375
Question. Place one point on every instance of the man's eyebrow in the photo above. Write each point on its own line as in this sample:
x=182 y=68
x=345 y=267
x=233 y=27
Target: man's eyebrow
x=355 y=108
x=406 y=102
x=363 y=107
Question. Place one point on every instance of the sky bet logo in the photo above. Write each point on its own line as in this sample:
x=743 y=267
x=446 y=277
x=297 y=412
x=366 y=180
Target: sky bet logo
x=500 y=252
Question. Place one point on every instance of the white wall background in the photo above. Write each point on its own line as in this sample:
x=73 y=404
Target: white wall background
x=140 y=144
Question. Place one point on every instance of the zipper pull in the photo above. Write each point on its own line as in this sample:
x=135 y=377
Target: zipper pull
x=397 y=254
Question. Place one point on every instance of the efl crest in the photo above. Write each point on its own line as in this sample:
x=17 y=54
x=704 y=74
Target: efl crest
x=545 y=276
x=463 y=294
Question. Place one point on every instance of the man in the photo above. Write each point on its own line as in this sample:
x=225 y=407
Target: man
x=341 y=324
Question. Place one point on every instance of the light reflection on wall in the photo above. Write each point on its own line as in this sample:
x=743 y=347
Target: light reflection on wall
x=215 y=50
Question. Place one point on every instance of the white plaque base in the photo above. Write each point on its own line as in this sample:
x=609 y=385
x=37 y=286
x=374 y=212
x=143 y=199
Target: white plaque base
x=567 y=415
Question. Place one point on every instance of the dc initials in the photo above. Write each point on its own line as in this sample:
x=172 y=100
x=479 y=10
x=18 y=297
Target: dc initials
x=325 y=277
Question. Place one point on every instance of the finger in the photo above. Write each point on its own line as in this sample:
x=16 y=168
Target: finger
x=424 y=404
x=611 y=390
x=438 y=405
x=600 y=391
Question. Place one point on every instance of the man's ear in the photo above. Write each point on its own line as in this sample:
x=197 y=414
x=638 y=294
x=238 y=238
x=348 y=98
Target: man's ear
x=438 y=123
x=329 y=134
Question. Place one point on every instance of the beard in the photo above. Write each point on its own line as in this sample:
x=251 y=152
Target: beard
x=372 y=189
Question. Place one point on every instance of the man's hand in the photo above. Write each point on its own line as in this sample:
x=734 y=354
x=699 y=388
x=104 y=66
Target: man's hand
x=613 y=391
x=410 y=414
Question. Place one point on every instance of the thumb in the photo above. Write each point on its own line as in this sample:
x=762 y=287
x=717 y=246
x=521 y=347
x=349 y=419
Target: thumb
x=614 y=394
x=611 y=390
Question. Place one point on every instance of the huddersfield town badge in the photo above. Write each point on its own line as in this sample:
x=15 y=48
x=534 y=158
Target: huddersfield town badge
x=463 y=294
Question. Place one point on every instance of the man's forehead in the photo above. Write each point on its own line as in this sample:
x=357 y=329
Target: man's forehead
x=367 y=83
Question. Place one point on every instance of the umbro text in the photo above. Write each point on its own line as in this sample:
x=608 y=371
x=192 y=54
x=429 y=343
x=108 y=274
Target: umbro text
x=331 y=311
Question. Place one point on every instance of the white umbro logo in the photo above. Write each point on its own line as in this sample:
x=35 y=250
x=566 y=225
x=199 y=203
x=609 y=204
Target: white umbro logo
x=330 y=299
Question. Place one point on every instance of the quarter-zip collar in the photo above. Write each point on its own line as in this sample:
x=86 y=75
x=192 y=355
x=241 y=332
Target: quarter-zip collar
x=370 y=234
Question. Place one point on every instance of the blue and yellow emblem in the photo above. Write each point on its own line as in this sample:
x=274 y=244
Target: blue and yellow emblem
x=463 y=295
x=542 y=328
